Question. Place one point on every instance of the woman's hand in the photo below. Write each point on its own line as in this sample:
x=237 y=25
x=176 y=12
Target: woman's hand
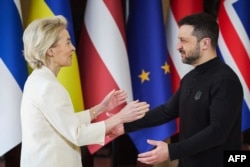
x=116 y=131
x=112 y=100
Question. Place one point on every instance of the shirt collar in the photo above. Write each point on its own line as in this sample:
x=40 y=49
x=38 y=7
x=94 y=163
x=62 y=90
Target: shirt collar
x=203 y=67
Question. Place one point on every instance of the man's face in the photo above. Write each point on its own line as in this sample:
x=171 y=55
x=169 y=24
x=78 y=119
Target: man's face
x=188 y=46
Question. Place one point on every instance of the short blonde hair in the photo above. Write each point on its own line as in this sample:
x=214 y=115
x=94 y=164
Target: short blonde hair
x=39 y=36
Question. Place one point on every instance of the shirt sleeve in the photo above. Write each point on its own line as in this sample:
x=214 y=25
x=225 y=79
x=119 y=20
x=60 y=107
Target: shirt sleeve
x=58 y=109
x=156 y=116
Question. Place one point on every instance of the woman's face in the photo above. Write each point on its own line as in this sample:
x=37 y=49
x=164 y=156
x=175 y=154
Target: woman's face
x=62 y=50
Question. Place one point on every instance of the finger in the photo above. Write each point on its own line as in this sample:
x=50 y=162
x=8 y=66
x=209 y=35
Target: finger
x=147 y=159
x=139 y=107
x=112 y=92
x=142 y=110
x=120 y=93
x=109 y=114
x=143 y=105
x=153 y=142
x=111 y=135
x=139 y=116
x=145 y=154
x=120 y=99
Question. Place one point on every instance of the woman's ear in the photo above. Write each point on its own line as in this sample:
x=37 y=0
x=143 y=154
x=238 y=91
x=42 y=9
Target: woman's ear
x=50 y=52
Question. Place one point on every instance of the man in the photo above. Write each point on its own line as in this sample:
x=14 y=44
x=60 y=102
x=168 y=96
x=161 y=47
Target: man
x=208 y=102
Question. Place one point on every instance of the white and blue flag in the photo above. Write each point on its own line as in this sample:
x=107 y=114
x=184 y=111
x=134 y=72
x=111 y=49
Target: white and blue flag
x=13 y=73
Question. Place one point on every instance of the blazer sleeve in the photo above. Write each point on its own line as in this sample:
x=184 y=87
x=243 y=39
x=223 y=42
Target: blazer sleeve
x=58 y=109
x=84 y=116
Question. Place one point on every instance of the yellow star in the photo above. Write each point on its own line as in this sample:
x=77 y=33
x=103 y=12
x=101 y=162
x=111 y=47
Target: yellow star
x=144 y=76
x=166 y=68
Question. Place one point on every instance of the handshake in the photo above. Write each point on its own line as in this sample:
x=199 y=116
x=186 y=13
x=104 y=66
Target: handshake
x=132 y=111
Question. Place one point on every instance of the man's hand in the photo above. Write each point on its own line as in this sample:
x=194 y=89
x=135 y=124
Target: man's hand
x=157 y=155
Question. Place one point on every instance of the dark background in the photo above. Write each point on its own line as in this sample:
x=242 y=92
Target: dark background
x=78 y=8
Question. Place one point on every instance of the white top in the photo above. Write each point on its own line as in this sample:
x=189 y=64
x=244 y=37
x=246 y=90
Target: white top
x=51 y=130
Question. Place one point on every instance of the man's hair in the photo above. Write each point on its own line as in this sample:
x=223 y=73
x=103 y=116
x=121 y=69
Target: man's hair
x=205 y=26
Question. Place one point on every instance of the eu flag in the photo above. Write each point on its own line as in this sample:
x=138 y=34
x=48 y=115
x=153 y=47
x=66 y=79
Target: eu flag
x=149 y=65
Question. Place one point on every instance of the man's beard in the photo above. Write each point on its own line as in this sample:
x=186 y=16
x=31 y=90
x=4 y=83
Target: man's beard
x=192 y=57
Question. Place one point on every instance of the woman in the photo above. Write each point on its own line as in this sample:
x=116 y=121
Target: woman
x=51 y=130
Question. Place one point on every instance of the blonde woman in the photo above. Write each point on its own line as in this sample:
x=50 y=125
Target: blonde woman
x=51 y=130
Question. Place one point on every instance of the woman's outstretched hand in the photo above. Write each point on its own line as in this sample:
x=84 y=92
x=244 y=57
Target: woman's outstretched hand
x=112 y=100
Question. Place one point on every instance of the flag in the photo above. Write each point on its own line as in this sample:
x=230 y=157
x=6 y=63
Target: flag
x=234 y=46
x=103 y=55
x=68 y=76
x=149 y=65
x=13 y=73
x=177 y=10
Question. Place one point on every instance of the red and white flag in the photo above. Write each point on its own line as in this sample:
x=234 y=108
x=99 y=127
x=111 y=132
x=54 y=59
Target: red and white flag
x=177 y=10
x=233 y=44
x=102 y=54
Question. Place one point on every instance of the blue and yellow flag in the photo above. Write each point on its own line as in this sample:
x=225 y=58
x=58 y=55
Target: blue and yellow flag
x=13 y=73
x=68 y=76
x=149 y=65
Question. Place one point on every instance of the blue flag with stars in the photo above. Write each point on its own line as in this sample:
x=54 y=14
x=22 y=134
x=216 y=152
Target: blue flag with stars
x=149 y=65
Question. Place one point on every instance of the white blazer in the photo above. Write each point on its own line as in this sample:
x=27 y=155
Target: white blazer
x=51 y=130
